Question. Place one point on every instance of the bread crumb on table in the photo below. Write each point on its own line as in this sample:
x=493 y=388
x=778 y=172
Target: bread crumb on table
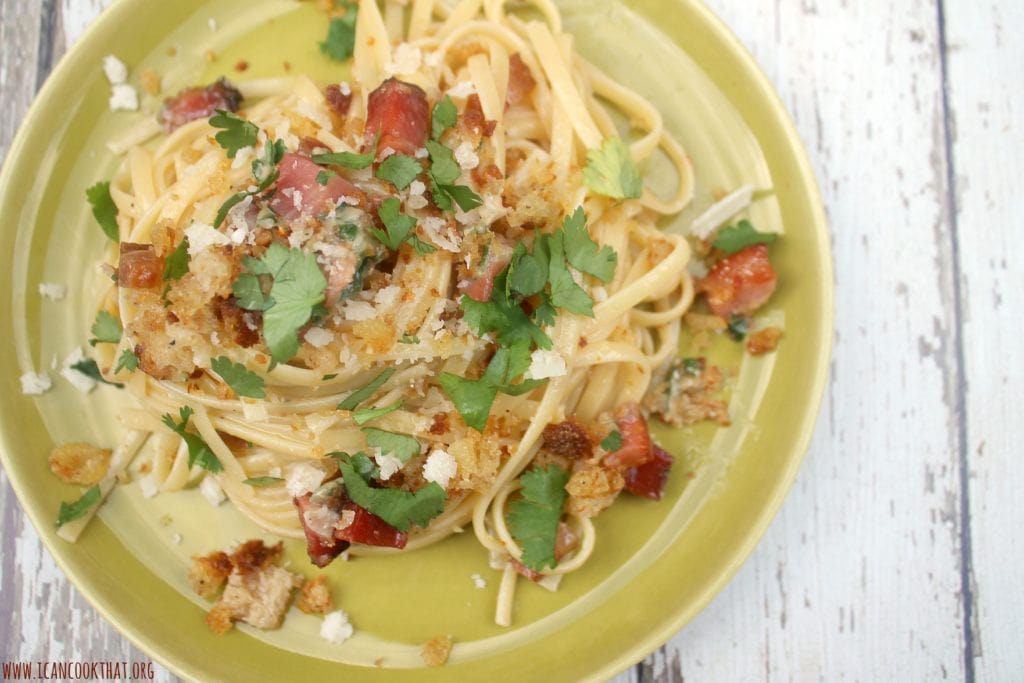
x=315 y=596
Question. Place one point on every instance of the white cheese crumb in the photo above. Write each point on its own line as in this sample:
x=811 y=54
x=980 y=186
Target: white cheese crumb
x=344 y=88
x=318 y=337
x=463 y=89
x=421 y=153
x=212 y=23
x=466 y=156
x=115 y=70
x=148 y=486
x=387 y=296
x=123 y=97
x=176 y=539
x=345 y=520
x=417 y=187
x=416 y=201
x=212 y=491
x=336 y=627
x=302 y=479
x=697 y=269
x=441 y=234
x=406 y=60
x=388 y=465
x=320 y=519
x=432 y=59
x=243 y=156
x=440 y=467
x=479 y=581
x=358 y=310
x=53 y=292
x=33 y=384
x=79 y=380
x=202 y=236
x=545 y=364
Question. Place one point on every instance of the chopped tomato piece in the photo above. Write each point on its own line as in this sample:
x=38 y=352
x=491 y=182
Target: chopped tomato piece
x=636 y=448
x=199 y=103
x=648 y=480
x=139 y=267
x=322 y=548
x=499 y=253
x=369 y=529
x=400 y=113
x=740 y=283
x=299 y=193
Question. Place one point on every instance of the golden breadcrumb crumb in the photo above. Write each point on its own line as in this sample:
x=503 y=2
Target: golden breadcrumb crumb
x=763 y=341
x=208 y=573
x=150 y=81
x=79 y=463
x=315 y=596
x=436 y=650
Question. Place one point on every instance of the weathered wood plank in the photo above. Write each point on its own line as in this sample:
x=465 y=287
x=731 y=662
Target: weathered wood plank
x=986 y=101
x=858 y=578
x=19 y=42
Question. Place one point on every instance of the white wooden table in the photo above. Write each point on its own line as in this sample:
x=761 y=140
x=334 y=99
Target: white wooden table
x=897 y=554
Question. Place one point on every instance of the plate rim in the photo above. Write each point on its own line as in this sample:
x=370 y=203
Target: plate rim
x=62 y=75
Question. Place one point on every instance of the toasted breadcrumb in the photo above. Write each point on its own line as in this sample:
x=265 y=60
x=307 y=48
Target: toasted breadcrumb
x=150 y=81
x=592 y=488
x=315 y=596
x=208 y=573
x=685 y=396
x=79 y=463
x=436 y=650
x=763 y=341
x=258 y=592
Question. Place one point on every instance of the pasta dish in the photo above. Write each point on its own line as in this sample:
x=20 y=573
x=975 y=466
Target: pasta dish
x=428 y=298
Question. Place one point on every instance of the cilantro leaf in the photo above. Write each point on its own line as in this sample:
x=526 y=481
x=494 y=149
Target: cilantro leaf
x=359 y=395
x=249 y=293
x=526 y=274
x=89 y=368
x=264 y=165
x=444 y=171
x=584 y=253
x=341 y=35
x=348 y=159
x=442 y=117
x=241 y=380
x=402 y=446
x=177 y=262
x=443 y=168
x=503 y=315
x=738 y=326
x=199 y=452
x=611 y=171
x=398 y=224
x=229 y=203
x=409 y=339
x=298 y=287
x=236 y=132
x=323 y=177
x=103 y=209
x=565 y=293
x=106 y=329
x=128 y=361
x=534 y=518
x=364 y=415
x=397 y=507
x=612 y=442
x=72 y=511
x=360 y=462
x=399 y=170
x=740 y=236
x=263 y=482
x=474 y=398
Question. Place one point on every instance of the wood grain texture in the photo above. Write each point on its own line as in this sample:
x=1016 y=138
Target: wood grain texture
x=985 y=67
x=887 y=560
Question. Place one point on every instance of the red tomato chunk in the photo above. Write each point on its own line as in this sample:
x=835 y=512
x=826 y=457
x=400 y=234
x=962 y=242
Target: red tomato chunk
x=400 y=113
x=636 y=446
x=199 y=103
x=300 y=194
x=740 y=283
x=369 y=529
x=648 y=480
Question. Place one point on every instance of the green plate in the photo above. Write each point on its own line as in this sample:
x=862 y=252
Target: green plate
x=656 y=564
